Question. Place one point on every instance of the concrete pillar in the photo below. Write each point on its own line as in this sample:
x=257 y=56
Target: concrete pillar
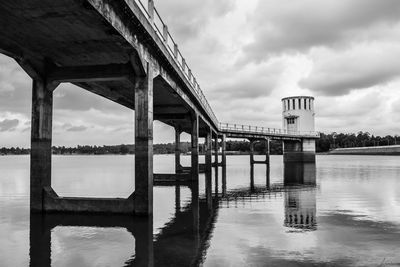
x=252 y=164
x=224 y=150
x=208 y=151
x=267 y=161
x=216 y=146
x=144 y=143
x=208 y=172
x=195 y=147
x=178 y=166
x=41 y=135
x=299 y=150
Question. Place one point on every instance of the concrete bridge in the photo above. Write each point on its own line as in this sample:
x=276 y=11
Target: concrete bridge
x=123 y=51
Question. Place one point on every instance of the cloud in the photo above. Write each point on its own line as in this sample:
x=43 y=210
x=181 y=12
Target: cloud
x=77 y=129
x=186 y=19
x=8 y=125
x=363 y=66
x=297 y=26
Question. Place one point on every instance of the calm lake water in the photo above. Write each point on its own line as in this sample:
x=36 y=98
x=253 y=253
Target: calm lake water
x=344 y=211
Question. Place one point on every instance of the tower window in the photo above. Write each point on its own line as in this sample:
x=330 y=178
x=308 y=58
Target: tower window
x=291 y=120
x=305 y=103
x=294 y=103
x=299 y=103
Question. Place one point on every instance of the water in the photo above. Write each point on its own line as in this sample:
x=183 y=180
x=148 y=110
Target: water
x=346 y=212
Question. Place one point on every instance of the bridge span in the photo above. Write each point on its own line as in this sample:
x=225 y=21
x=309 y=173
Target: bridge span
x=123 y=51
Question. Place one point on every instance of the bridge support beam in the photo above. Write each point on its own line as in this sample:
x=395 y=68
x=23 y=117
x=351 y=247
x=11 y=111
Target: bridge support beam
x=208 y=169
x=253 y=161
x=216 y=163
x=299 y=151
x=195 y=147
x=41 y=137
x=178 y=166
x=144 y=144
x=223 y=152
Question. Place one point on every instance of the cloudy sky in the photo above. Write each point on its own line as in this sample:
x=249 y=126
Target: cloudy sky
x=247 y=55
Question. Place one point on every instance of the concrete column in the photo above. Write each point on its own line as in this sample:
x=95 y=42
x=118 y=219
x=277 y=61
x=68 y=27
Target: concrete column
x=208 y=172
x=195 y=207
x=178 y=167
x=195 y=147
x=224 y=150
x=299 y=151
x=41 y=135
x=267 y=161
x=252 y=164
x=216 y=146
x=208 y=151
x=144 y=143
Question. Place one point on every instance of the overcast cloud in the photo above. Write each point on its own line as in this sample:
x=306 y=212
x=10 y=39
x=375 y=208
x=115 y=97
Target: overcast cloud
x=247 y=55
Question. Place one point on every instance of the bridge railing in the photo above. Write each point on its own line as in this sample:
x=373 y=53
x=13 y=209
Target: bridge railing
x=148 y=9
x=239 y=128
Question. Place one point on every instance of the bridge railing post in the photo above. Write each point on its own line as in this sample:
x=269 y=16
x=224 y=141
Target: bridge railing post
x=150 y=9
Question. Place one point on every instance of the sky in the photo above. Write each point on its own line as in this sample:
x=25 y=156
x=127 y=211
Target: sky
x=246 y=56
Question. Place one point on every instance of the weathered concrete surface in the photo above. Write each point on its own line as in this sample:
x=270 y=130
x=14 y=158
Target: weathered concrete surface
x=377 y=150
x=53 y=203
x=144 y=144
x=41 y=135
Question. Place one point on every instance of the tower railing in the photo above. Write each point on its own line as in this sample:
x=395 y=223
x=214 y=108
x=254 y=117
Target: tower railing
x=239 y=128
x=161 y=29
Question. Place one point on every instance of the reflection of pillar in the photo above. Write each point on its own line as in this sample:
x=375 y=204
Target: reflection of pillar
x=144 y=143
x=144 y=255
x=195 y=206
x=178 y=167
x=177 y=198
x=39 y=242
x=41 y=135
x=41 y=227
x=195 y=147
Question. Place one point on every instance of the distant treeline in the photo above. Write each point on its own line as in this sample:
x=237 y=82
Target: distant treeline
x=324 y=144
x=241 y=146
x=360 y=139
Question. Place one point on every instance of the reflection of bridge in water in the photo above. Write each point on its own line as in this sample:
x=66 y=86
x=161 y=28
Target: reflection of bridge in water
x=184 y=240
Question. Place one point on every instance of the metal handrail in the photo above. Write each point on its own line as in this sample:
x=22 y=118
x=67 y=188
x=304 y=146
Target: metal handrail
x=239 y=128
x=154 y=17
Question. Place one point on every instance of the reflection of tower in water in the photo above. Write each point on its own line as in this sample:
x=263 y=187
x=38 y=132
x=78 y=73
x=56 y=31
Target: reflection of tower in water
x=300 y=196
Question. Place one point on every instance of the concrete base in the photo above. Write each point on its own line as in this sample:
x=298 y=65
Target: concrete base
x=54 y=203
x=298 y=157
